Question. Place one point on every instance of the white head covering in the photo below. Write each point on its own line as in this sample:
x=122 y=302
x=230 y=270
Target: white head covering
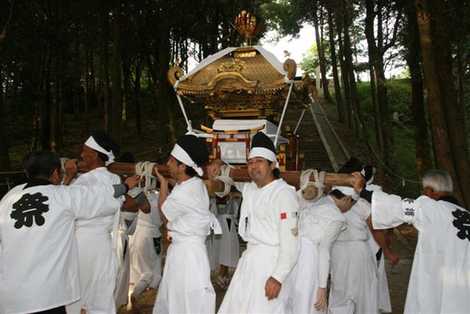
x=179 y=153
x=348 y=191
x=91 y=142
x=262 y=146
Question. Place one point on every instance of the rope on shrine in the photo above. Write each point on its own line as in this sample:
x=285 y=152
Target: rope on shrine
x=224 y=176
x=319 y=183
x=283 y=114
x=144 y=169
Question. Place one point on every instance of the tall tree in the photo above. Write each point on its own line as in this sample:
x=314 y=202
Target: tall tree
x=413 y=59
x=447 y=118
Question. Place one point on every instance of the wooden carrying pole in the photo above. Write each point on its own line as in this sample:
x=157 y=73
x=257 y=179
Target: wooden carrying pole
x=239 y=174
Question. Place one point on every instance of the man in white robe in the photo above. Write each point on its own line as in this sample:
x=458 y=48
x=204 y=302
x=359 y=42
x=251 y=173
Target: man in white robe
x=440 y=276
x=145 y=249
x=268 y=222
x=186 y=286
x=320 y=223
x=97 y=250
x=39 y=262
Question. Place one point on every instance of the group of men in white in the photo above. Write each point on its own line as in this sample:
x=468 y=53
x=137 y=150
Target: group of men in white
x=90 y=243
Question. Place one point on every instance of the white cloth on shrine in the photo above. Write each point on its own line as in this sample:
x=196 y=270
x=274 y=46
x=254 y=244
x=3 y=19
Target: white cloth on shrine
x=145 y=245
x=186 y=286
x=319 y=225
x=268 y=222
x=440 y=275
x=353 y=266
x=39 y=264
x=97 y=252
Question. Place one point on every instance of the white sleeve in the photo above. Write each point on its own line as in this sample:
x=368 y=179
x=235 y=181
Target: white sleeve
x=287 y=209
x=91 y=201
x=390 y=210
x=332 y=231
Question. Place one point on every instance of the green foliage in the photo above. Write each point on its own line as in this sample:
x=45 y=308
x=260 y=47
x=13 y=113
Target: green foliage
x=311 y=60
x=404 y=154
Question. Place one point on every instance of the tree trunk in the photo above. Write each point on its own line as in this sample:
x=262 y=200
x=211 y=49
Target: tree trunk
x=138 y=109
x=453 y=109
x=382 y=98
x=372 y=50
x=441 y=98
x=164 y=88
x=344 y=71
x=321 y=56
x=422 y=140
x=334 y=64
x=347 y=50
x=116 y=80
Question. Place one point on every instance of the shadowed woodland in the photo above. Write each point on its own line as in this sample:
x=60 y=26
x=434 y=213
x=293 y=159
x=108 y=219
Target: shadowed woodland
x=68 y=67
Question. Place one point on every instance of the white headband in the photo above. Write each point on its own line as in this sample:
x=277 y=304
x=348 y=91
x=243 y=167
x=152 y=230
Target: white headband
x=348 y=191
x=179 y=153
x=363 y=172
x=263 y=152
x=90 y=142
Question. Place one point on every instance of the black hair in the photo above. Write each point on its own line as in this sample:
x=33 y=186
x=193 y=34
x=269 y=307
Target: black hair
x=195 y=147
x=190 y=172
x=337 y=194
x=105 y=141
x=368 y=172
x=40 y=165
x=276 y=171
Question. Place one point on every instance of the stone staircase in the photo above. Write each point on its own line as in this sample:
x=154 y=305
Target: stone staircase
x=322 y=138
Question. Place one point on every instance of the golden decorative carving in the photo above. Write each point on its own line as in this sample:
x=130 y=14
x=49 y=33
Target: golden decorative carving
x=174 y=74
x=234 y=66
x=291 y=67
x=245 y=24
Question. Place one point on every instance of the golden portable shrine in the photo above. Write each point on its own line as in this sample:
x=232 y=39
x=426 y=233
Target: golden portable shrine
x=244 y=90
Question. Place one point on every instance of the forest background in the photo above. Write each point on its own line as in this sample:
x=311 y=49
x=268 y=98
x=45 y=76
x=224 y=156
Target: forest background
x=68 y=67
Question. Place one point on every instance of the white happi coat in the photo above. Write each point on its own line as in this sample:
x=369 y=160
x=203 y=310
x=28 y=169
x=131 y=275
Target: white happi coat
x=96 y=252
x=38 y=262
x=319 y=225
x=146 y=268
x=353 y=266
x=186 y=286
x=268 y=222
x=228 y=245
x=440 y=275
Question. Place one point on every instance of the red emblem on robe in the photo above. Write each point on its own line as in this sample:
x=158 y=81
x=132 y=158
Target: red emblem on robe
x=283 y=215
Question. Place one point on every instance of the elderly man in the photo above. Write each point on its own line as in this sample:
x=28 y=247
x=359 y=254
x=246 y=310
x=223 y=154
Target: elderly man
x=440 y=276
x=97 y=258
x=268 y=222
x=39 y=266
